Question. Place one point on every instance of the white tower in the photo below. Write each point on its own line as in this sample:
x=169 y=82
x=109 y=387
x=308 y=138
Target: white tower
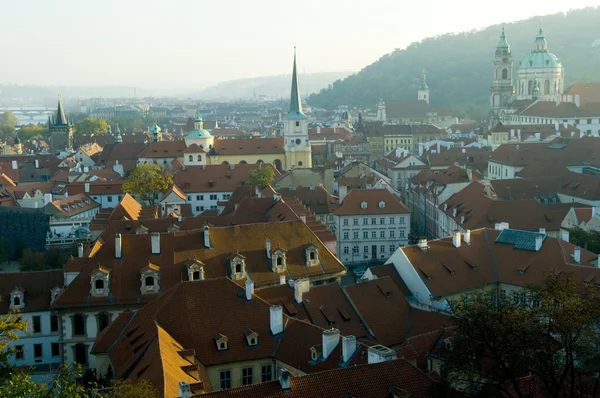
x=423 y=93
x=381 y=116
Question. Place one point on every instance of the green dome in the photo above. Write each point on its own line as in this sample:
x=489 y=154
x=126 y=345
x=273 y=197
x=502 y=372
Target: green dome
x=540 y=60
x=198 y=133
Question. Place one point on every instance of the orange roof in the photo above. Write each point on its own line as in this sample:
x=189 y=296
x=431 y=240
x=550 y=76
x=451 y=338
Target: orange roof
x=378 y=201
x=254 y=146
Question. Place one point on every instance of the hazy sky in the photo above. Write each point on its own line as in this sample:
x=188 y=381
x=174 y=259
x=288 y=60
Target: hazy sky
x=189 y=44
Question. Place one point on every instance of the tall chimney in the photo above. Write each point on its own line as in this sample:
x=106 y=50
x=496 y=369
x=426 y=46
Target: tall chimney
x=87 y=187
x=467 y=237
x=14 y=164
x=249 y=289
x=542 y=230
x=268 y=248
x=185 y=391
x=342 y=192
x=282 y=279
x=118 y=246
x=456 y=239
x=577 y=254
x=539 y=239
x=155 y=238
x=331 y=338
x=80 y=250
x=37 y=164
x=276 y=319
x=348 y=347
x=206 y=236
x=284 y=379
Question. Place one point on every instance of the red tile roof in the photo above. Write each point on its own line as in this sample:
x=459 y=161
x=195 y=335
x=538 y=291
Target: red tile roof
x=37 y=286
x=214 y=178
x=353 y=203
x=252 y=146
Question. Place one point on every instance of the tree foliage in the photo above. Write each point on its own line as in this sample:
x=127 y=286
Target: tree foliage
x=6 y=131
x=589 y=240
x=459 y=66
x=261 y=176
x=30 y=131
x=22 y=228
x=10 y=324
x=147 y=181
x=90 y=126
x=504 y=348
x=8 y=119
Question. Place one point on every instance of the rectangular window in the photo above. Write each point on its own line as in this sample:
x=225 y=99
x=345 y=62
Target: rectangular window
x=382 y=221
x=393 y=220
x=366 y=249
x=201 y=197
x=266 y=373
x=201 y=208
x=53 y=323
x=355 y=221
x=502 y=294
x=109 y=198
x=345 y=222
x=197 y=197
x=402 y=234
x=37 y=351
x=382 y=234
x=373 y=221
x=355 y=250
x=355 y=235
x=346 y=236
x=382 y=249
x=365 y=235
x=197 y=208
x=189 y=198
x=401 y=220
x=225 y=379
x=373 y=234
x=213 y=197
x=322 y=218
x=365 y=221
x=346 y=250
x=226 y=196
x=247 y=376
x=213 y=207
x=392 y=248
x=55 y=350
x=19 y=352
x=37 y=324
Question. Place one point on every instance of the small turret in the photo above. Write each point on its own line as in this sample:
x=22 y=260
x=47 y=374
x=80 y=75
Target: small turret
x=423 y=93
x=118 y=138
x=503 y=48
x=541 y=45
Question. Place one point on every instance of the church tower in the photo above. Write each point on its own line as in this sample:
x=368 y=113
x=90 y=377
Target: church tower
x=381 y=116
x=503 y=90
x=295 y=130
x=423 y=93
x=61 y=130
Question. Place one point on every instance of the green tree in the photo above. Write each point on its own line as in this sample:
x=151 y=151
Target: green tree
x=8 y=119
x=31 y=131
x=135 y=123
x=32 y=261
x=261 y=176
x=10 y=324
x=89 y=126
x=548 y=337
x=147 y=181
x=589 y=240
x=6 y=131
x=127 y=389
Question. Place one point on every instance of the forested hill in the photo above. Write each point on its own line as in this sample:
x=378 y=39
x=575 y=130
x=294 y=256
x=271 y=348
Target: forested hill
x=459 y=66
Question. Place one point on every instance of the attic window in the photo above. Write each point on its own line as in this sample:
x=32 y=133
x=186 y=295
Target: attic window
x=382 y=204
x=150 y=282
x=237 y=265
x=251 y=337
x=221 y=341
x=312 y=255
x=363 y=205
x=17 y=299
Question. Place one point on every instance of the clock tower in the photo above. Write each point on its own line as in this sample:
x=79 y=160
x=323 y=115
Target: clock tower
x=503 y=90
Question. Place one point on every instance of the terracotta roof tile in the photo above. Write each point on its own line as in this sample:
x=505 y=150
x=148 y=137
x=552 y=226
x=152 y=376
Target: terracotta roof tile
x=37 y=286
x=352 y=204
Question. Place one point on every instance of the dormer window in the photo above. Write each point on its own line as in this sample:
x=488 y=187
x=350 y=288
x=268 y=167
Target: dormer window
x=382 y=204
x=195 y=269
x=315 y=352
x=278 y=262
x=363 y=205
x=251 y=337
x=17 y=298
x=237 y=264
x=312 y=255
x=150 y=279
x=99 y=282
x=221 y=341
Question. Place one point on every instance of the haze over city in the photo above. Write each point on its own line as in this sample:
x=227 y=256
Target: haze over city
x=193 y=44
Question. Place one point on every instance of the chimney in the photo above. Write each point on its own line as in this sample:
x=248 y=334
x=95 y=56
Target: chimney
x=348 y=347
x=456 y=239
x=87 y=187
x=155 y=242
x=542 y=230
x=257 y=192
x=184 y=389
x=118 y=246
x=37 y=164
x=558 y=97
x=379 y=353
x=577 y=254
x=423 y=244
x=342 y=192
x=232 y=166
x=565 y=236
x=249 y=289
x=318 y=129
x=282 y=279
x=467 y=237
x=454 y=211
x=14 y=165
x=539 y=239
x=268 y=248
x=80 y=250
x=303 y=217
x=276 y=319
x=577 y=100
x=438 y=147
x=179 y=218
x=331 y=338
x=206 y=236
x=284 y=379
x=300 y=286
x=538 y=136
x=47 y=198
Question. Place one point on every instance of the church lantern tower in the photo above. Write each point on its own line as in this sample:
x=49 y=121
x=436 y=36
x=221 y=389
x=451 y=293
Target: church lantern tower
x=503 y=90
x=295 y=130
x=423 y=93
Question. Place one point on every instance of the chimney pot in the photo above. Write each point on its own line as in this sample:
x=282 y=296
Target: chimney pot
x=155 y=238
x=467 y=237
x=87 y=187
x=348 y=347
x=276 y=319
x=118 y=246
x=331 y=338
x=80 y=250
x=456 y=239
x=577 y=254
x=539 y=239
x=249 y=289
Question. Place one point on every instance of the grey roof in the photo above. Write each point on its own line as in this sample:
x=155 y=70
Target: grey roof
x=295 y=102
x=524 y=240
x=60 y=114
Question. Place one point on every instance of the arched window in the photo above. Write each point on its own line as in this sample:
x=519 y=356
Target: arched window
x=238 y=268
x=191 y=158
x=243 y=162
x=196 y=275
x=530 y=87
x=17 y=301
x=149 y=281
x=78 y=325
x=80 y=354
x=199 y=158
x=279 y=261
x=504 y=74
x=547 y=87
x=99 y=284
x=103 y=321
x=226 y=163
